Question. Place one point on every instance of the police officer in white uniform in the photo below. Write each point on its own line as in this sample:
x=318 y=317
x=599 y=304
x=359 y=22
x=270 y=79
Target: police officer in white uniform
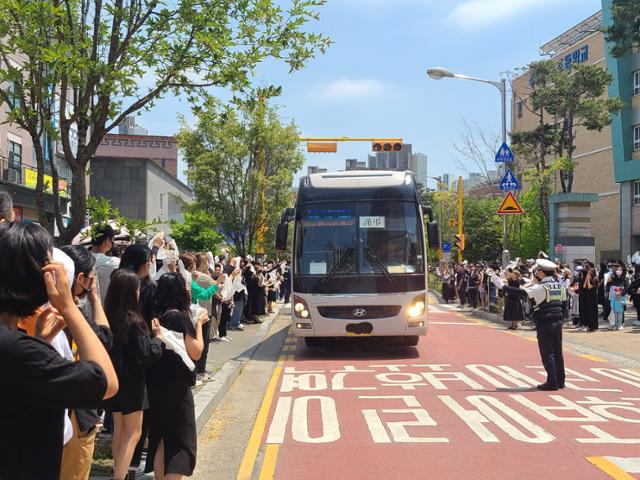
x=548 y=296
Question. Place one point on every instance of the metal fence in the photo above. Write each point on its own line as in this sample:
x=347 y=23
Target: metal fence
x=495 y=302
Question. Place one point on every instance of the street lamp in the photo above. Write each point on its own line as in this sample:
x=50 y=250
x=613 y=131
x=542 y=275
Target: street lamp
x=438 y=73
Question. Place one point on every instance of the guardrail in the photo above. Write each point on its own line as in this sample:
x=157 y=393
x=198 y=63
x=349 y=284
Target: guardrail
x=495 y=303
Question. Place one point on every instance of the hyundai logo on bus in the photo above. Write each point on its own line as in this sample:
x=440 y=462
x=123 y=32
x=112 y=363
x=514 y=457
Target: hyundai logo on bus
x=359 y=312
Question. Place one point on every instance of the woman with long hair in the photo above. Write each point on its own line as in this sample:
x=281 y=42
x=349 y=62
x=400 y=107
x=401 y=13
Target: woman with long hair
x=133 y=351
x=588 y=300
x=172 y=422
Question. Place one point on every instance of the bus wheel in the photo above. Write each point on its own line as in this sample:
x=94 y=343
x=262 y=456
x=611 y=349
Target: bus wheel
x=411 y=341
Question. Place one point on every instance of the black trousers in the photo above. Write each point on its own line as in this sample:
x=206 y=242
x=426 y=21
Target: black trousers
x=550 y=345
x=202 y=363
x=285 y=291
x=224 y=319
x=606 y=309
x=472 y=297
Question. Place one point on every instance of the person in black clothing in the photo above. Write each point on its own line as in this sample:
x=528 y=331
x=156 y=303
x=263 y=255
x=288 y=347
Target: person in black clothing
x=42 y=383
x=473 y=285
x=635 y=294
x=138 y=258
x=172 y=422
x=513 y=311
x=133 y=351
x=77 y=454
x=588 y=299
x=285 y=290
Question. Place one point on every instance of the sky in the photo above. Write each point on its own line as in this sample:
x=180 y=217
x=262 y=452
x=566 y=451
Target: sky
x=372 y=82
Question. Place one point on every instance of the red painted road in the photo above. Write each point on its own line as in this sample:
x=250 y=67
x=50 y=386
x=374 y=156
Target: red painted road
x=461 y=406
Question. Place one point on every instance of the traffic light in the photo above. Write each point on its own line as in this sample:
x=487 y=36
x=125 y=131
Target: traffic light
x=386 y=146
x=459 y=242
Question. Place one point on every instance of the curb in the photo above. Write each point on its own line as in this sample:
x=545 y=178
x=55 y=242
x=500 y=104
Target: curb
x=211 y=394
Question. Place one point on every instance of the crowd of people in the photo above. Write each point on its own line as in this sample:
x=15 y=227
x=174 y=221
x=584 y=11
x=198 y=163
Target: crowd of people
x=114 y=332
x=595 y=292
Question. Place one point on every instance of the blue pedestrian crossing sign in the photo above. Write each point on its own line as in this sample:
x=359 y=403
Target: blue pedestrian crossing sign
x=504 y=154
x=509 y=181
x=446 y=246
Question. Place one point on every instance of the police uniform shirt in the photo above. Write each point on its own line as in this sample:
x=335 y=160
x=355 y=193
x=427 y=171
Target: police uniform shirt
x=537 y=292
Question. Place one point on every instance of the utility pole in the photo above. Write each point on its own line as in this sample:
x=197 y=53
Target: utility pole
x=261 y=171
x=460 y=215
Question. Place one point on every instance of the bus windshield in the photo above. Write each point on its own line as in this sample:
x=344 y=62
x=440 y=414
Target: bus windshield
x=358 y=238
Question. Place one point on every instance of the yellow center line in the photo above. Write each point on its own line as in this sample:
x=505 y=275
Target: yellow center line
x=610 y=468
x=593 y=358
x=251 y=453
x=268 y=469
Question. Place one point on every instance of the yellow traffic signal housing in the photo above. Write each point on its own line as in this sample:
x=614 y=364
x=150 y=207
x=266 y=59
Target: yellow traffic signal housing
x=386 y=146
x=459 y=241
x=322 y=147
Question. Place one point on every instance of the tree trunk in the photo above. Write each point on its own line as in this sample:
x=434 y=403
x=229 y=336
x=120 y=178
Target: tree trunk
x=40 y=194
x=78 y=203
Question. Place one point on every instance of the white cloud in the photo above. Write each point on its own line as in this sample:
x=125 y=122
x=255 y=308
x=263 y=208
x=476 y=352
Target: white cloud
x=349 y=89
x=483 y=13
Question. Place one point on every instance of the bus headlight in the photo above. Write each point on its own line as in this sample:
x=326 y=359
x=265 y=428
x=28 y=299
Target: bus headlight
x=417 y=307
x=300 y=308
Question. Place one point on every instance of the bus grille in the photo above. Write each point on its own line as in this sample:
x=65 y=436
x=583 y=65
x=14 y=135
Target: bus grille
x=360 y=313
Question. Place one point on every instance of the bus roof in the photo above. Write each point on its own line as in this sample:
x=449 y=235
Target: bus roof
x=359 y=179
x=358 y=185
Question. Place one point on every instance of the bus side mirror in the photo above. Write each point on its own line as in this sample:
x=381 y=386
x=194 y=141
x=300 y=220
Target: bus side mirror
x=288 y=215
x=433 y=235
x=282 y=236
x=428 y=212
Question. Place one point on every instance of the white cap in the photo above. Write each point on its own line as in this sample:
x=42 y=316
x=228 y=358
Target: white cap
x=546 y=265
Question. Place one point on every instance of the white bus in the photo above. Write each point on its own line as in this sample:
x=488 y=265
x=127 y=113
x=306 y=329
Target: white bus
x=359 y=262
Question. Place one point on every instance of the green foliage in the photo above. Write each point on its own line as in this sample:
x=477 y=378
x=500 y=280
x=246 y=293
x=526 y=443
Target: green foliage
x=574 y=98
x=482 y=229
x=100 y=212
x=198 y=231
x=625 y=31
x=112 y=58
x=235 y=154
x=529 y=233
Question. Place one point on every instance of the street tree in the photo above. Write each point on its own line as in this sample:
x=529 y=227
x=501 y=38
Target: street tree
x=108 y=59
x=241 y=159
x=575 y=98
x=198 y=232
x=624 y=33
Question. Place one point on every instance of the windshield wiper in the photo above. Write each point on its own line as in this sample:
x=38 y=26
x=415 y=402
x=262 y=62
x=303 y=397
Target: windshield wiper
x=348 y=253
x=376 y=261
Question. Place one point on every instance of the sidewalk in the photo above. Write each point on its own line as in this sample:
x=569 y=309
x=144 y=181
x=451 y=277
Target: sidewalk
x=621 y=347
x=225 y=362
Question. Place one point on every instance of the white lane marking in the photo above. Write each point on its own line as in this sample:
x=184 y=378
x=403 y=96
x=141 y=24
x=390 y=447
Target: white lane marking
x=629 y=464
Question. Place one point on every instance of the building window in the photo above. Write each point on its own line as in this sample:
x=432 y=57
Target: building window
x=636 y=192
x=636 y=137
x=520 y=108
x=15 y=154
x=636 y=82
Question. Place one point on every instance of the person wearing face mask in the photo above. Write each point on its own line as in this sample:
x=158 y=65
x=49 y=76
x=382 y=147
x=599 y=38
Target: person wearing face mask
x=78 y=451
x=547 y=294
x=618 y=297
x=102 y=242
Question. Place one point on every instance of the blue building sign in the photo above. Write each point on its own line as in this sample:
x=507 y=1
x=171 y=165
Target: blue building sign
x=579 y=55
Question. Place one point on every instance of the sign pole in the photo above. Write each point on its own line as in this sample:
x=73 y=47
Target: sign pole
x=503 y=95
x=460 y=215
